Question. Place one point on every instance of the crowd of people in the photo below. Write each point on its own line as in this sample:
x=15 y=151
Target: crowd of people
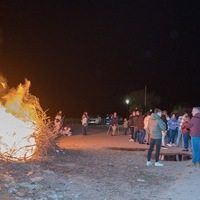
x=161 y=130
x=137 y=127
x=152 y=128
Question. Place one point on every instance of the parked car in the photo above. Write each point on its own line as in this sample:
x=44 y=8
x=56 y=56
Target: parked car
x=94 y=120
x=108 y=119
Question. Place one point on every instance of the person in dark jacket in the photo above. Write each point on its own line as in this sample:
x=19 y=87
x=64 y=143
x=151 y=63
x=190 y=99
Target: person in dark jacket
x=114 y=123
x=133 y=126
x=155 y=128
x=165 y=119
x=140 y=127
x=194 y=126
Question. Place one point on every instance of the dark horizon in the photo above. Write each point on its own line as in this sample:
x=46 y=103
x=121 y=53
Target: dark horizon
x=88 y=55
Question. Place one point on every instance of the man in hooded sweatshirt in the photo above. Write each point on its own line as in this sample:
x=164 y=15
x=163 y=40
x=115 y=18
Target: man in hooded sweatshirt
x=155 y=128
x=194 y=126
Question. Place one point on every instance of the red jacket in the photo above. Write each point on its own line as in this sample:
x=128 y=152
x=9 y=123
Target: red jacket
x=183 y=127
x=140 y=122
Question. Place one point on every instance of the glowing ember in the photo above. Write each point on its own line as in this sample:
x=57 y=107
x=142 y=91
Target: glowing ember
x=20 y=122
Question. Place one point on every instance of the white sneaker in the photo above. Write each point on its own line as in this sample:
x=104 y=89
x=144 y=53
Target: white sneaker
x=158 y=164
x=149 y=163
x=131 y=140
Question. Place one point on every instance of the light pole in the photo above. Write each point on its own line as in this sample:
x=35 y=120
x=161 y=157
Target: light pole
x=127 y=102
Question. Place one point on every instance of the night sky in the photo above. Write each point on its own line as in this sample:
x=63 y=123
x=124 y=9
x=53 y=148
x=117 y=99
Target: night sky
x=87 y=55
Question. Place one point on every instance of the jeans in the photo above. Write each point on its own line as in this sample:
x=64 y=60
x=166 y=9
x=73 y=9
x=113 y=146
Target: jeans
x=172 y=134
x=154 y=142
x=141 y=136
x=84 y=130
x=195 y=149
x=132 y=132
x=178 y=137
x=135 y=137
x=186 y=140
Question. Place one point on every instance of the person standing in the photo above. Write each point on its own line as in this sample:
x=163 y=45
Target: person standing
x=155 y=128
x=141 y=130
x=114 y=123
x=194 y=126
x=185 y=132
x=180 y=122
x=133 y=126
x=146 y=120
x=165 y=119
x=173 y=125
x=125 y=125
x=84 y=121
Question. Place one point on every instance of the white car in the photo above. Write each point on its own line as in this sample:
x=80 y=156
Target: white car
x=94 y=120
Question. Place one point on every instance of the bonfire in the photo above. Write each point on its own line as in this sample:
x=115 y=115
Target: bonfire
x=23 y=127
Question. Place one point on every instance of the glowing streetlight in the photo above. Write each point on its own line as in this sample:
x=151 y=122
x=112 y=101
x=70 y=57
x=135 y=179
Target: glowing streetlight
x=127 y=102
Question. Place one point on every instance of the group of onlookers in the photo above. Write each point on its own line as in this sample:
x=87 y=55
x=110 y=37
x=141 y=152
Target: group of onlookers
x=186 y=126
x=155 y=129
x=175 y=130
x=137 y=125
x=159 y=129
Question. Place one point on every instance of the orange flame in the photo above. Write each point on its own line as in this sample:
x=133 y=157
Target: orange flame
x=19 y=121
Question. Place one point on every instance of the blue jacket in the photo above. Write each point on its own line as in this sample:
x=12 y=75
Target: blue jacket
x=173 y=123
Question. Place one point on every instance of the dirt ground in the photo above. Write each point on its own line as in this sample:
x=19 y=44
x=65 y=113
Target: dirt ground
x=97 y=167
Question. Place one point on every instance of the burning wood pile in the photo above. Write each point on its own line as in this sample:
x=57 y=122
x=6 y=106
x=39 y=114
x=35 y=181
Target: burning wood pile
x=23 y=129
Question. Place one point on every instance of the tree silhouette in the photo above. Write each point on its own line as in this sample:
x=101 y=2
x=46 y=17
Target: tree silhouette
x=137 y=100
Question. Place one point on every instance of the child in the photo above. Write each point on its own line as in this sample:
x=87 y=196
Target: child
x=125 y=125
